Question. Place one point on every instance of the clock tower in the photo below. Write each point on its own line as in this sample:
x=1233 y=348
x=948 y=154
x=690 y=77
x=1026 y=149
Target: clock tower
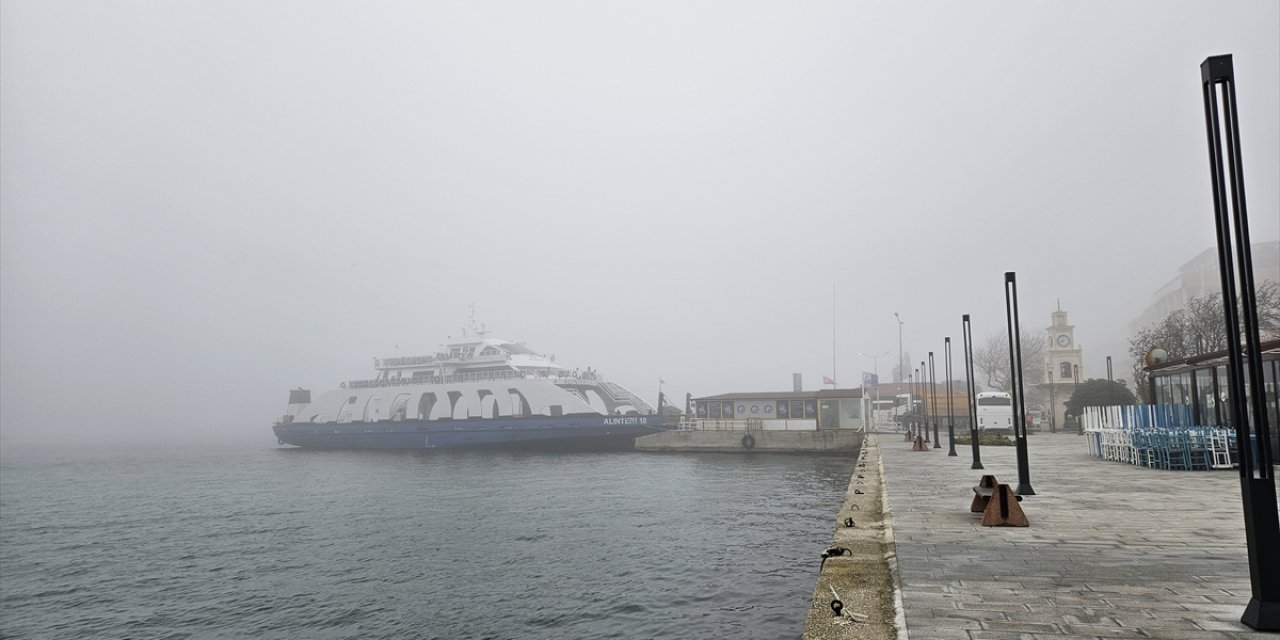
x=1065 y=358
x=1064 y=365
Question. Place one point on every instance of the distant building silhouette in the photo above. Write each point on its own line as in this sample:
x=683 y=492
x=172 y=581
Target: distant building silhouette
x=1198 y=278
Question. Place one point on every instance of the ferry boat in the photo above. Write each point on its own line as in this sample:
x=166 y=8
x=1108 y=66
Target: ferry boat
x=476 y=392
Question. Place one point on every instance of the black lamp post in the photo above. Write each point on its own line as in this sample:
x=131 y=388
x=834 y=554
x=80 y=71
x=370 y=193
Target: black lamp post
x=924 y=399
x=1053 y=401
x=951 y=414
x=933 y=398
x=918 y=388
x=908 y=419
x=1244 y=361
x=1075 y=386
x=973 y=409
x=1015 y=370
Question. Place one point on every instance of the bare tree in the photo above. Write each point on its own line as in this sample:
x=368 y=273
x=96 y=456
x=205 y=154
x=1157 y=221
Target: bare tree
x=1200 y=327
x=1268 y=296
x=991 y=359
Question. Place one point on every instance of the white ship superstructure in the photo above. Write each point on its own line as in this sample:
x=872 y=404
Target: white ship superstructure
x=478 y=379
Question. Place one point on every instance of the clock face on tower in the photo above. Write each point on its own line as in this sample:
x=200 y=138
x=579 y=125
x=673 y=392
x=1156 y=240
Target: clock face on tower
x=1063 y=340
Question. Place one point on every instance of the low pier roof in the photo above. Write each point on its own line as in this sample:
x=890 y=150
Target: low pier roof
x=786 y=395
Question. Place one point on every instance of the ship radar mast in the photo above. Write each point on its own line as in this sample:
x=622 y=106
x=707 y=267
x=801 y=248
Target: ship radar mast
x=477 y=328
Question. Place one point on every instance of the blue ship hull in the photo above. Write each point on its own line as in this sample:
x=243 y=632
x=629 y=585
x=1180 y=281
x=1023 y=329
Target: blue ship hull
x=595 y=432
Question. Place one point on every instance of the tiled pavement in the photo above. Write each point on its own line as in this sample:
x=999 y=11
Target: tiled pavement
x=1113 y=550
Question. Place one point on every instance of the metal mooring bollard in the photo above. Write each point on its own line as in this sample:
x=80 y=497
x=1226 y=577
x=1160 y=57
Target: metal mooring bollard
x=833 y=551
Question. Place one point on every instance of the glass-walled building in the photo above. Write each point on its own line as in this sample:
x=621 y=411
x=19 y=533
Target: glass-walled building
x=791 y=410
x=1197 y=387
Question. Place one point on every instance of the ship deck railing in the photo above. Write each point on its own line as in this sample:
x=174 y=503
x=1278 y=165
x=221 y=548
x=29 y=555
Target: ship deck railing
x=486 y=376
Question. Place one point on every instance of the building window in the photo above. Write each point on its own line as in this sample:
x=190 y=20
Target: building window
x=1206 y=398
x=797 y=409
x=1064 y=370
x=1224 y=397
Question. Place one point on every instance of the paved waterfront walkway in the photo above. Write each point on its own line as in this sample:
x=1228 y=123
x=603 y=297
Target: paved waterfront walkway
x=1113 y=550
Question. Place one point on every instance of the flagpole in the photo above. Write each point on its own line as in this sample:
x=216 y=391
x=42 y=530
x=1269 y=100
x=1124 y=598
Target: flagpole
x=834 y=376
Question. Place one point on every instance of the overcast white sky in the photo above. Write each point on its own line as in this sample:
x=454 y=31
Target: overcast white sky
x=204 y=204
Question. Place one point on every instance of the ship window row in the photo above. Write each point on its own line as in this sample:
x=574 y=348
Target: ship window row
x=484 y=403
x=784 y=409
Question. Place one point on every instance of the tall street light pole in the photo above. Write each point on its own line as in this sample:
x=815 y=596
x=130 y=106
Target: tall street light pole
x=909 y=418
x=875 y=370
x=902 y=368
x=1053 y=401
x=972 y=391
x=1075 y=386
x=1018 y=388
x=919 y=390
x=951 y=414
x=933 y=398
x=1244 y=353
x=875 y=363
x=924 y=398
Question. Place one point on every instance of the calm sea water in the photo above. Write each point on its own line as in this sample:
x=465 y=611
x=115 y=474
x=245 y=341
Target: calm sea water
x=247 y=541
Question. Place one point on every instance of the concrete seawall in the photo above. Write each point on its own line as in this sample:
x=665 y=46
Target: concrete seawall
x=769 y=441
x=860 y=570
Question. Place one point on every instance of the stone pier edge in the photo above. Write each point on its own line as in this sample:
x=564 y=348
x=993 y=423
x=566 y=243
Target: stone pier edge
x=867 y=581
x=890 y=546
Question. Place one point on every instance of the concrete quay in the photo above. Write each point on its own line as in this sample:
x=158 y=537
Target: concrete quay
x=729 y=441
x=1113 y=550
x=861 y=576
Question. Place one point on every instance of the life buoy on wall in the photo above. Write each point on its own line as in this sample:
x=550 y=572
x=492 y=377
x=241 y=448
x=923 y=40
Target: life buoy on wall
x=748 y=441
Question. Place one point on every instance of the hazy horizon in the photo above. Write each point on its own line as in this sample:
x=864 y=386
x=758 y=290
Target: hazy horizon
x=204 y=205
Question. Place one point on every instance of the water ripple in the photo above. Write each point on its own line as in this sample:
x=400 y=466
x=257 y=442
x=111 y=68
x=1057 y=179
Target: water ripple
x=267 y=543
